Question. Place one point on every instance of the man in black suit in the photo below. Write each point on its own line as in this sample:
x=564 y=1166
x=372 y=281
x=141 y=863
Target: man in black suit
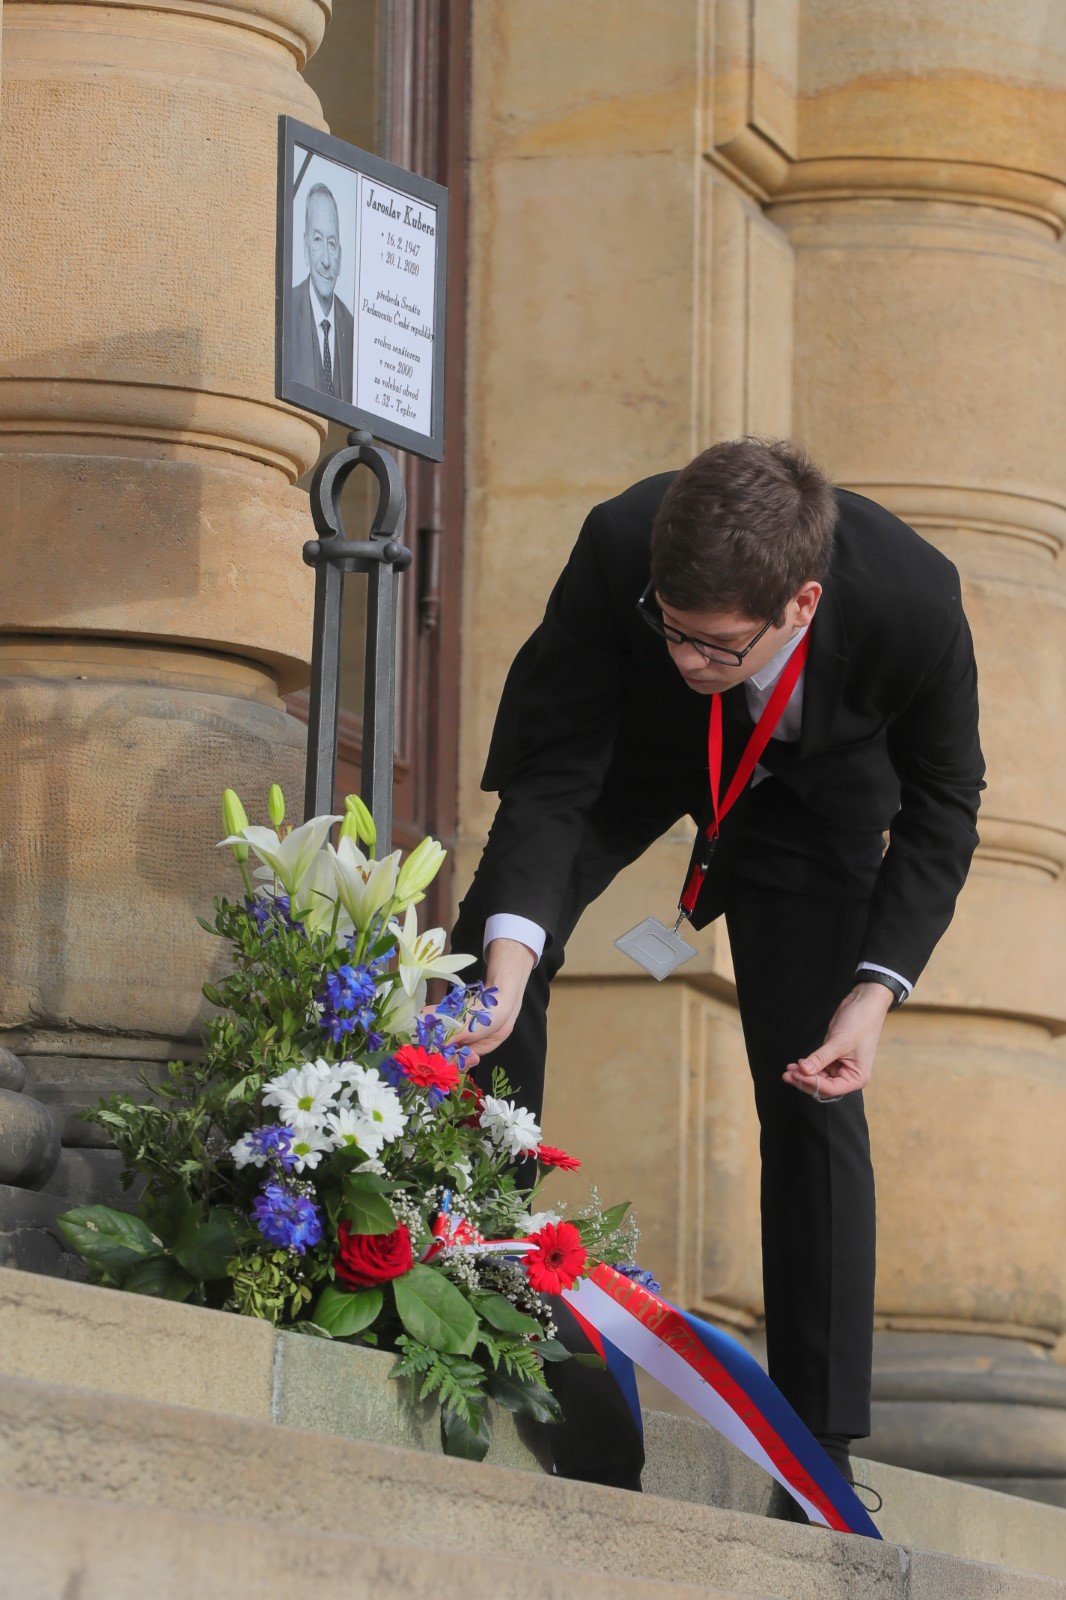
x=706 y=583
x=322 y=328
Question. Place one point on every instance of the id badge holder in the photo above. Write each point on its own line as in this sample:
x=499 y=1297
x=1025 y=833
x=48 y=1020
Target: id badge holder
x=656 y=947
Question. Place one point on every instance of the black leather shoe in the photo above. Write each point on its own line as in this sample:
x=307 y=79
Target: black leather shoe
x=784 y=1508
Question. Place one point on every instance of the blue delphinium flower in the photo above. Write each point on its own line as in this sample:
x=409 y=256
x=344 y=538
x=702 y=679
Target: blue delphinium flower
x=393 y=1073
x=273 y=1144
x=267 y=910
x=484 y=1002
x=347 y=1001
x=453 y=1002
x=430 y=1032
x=640 y=1275
x=286 y=1218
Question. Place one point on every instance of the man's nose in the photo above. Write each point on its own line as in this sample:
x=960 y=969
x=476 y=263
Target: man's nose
x=686 y=657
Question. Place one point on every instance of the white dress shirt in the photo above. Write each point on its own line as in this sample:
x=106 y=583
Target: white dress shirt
x=318 y=316
x=757 y=690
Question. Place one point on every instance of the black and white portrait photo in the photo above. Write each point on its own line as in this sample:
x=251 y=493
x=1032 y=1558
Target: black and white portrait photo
x=323 y=328
x=360 y=289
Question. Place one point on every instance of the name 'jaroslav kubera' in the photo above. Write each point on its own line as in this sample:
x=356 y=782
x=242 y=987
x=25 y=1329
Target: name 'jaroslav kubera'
x=410 y=218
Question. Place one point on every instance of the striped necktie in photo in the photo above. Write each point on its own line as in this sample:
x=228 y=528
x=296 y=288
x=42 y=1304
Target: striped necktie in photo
x=327 y=359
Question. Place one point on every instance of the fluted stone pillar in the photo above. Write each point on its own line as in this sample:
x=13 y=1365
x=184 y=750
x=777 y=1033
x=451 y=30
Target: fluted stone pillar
x=925 y=213
x=153 y=604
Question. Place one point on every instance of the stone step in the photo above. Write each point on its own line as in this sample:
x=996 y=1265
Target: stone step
x=54 y=1545
x=95 y=1447
x=152 y=1350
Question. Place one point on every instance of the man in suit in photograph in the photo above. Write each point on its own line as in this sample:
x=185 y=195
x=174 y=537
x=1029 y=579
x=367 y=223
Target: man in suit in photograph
x=701 y=583
x=322 y=328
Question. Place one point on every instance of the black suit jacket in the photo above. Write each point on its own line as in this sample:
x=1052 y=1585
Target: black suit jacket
x=306 y=346
x=593 y=710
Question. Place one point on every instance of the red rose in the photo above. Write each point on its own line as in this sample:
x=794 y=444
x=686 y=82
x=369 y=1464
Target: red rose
x=471 y=1095
x=427 y=1070
x=364 y=1259
x=557 y=1259
x=549 y=1156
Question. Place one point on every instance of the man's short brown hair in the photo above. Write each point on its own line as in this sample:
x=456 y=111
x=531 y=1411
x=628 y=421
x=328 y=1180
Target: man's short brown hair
x=742 y=528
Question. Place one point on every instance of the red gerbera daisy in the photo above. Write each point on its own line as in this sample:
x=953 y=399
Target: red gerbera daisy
x=426 y=1069
x=557 y=1259
x=549 y=1156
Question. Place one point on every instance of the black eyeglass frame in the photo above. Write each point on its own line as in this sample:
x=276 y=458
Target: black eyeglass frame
x=724 y=656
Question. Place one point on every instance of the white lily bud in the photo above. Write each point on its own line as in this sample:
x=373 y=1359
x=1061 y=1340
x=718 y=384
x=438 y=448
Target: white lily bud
x=234 y=820
x=419 y=870
x=276 y=805
x=365 y=831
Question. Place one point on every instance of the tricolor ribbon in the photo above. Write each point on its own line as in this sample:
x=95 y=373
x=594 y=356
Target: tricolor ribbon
x=714 y=1375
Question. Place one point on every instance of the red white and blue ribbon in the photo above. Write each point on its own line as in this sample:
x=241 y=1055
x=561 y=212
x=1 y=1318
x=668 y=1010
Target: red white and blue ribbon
x=714 y=1375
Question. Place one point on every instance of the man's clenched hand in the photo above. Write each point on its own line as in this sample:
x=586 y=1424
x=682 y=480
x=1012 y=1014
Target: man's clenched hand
x=508 y=965
x=845 y=1061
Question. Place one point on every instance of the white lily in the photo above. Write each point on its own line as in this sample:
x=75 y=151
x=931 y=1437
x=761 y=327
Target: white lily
x=422 y=954
x=317 y=899
x=418 y=872
x=364 y=886
x=290 y=859
x=400 y=1009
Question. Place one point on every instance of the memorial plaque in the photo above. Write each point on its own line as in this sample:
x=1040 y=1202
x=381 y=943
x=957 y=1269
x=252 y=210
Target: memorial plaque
x=361 y=259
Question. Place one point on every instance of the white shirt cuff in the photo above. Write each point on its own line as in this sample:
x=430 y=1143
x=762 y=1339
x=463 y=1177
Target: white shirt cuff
x=504 y=925
x=871 y=966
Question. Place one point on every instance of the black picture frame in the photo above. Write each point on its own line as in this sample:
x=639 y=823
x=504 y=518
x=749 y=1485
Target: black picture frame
x=293 y=135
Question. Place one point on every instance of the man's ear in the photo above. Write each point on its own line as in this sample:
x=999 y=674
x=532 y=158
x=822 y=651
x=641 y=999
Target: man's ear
x=806 y=602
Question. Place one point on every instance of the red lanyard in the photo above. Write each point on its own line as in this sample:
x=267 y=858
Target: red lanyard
x=760 y=738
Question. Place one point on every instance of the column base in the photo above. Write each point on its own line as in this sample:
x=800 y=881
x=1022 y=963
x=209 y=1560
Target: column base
x=980 y=1409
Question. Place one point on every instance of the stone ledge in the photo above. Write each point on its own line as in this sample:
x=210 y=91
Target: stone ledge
x=145 y=1349
x=60 y=1546
x=150 y=1457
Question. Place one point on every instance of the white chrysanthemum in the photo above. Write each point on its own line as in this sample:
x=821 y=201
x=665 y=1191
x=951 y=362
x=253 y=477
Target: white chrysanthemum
x=510 y=1127
x=354 y=1072
x=349 y=1075
x=244 y=1152
x=304 y=1094
x=351 y=1126
x=531 y=1224
x=309 y=1145
x=380 y=1104
x=462 y=1172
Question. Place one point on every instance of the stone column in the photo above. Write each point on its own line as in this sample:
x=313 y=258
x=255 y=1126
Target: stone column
x=925 y=214
x=153 y=604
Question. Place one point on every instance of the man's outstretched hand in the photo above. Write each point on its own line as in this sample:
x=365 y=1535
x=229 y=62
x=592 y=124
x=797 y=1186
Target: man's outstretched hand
x=845 y=1061
x=507 y=967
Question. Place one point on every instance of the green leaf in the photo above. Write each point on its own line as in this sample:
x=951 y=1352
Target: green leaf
x=434 y=1311
x=211 y=993
x=206 y=1249
x=552 y=1350
x=173 y=1215
x=109 y=1238
x=365 y=1210
x=343 y=1313
x=373 y=1180
x=500 y=1313
x=161 y=1277
x=458 y=1438
x=587 y=1358
x=614 y=1216
x=524 y=1398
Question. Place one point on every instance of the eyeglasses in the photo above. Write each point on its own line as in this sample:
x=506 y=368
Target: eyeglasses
x=719 y=653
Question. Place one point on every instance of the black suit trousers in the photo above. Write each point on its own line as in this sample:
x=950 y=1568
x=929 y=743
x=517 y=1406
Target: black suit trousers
x=794 y=955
